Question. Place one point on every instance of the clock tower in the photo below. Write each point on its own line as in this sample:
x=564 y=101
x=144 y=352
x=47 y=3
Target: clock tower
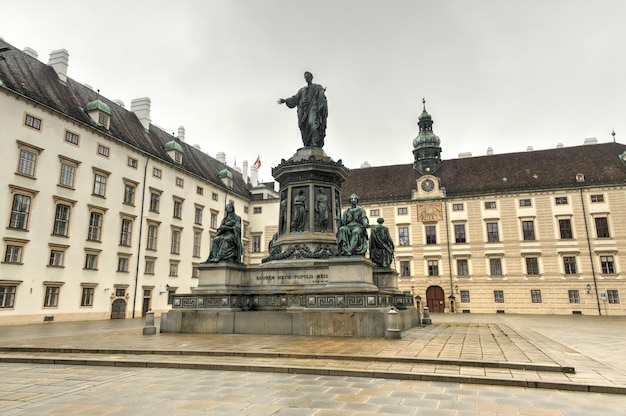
x=426 y=149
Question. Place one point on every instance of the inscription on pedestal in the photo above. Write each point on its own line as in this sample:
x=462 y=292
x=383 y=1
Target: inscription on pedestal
x=319 y=278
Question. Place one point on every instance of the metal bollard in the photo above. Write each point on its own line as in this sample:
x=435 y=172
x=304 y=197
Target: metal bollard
x=393 y=330
x=149 y=328
x=426 y=319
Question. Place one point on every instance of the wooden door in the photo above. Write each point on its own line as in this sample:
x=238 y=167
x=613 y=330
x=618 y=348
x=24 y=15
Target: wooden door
x=435 y=299
x=118 y=310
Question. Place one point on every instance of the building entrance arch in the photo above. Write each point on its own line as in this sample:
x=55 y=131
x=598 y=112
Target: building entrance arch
x=118 y=309
x=435 y=299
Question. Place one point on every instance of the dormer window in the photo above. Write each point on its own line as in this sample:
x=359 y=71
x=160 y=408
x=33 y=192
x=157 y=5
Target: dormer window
x=174 y=150
x=226 y=177
x=99 y=112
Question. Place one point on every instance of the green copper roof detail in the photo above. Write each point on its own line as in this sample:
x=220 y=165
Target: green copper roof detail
x=225 y=173
x=98 y=105
x=426 y=139
x=173 y=145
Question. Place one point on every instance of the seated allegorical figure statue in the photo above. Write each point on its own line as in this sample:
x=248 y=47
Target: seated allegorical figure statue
x=381 y=245
x=227 y=245
x=352 y=237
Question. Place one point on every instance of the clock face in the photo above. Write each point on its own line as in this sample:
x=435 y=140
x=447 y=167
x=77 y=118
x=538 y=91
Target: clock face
x=428 y=185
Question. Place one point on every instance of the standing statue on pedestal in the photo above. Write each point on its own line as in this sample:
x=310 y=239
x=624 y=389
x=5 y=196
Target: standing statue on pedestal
x=227 y=245
x=312 y=111
x=322 y=208
x=298 y=212
x=352 y=234
x=381 y=245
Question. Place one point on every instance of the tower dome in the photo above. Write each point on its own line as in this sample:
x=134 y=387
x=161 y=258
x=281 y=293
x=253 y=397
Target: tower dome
x=426 y=146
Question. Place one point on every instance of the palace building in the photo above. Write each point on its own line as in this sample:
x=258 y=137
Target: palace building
x=108 y=216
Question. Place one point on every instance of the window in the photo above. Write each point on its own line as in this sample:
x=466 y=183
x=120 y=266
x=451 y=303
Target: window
x=95 y=226
x=195 y=272
x=20 y=210
x=103 y=150
x=431 y=234
x=495 y=266
x=535 y=296
x=71 y=137
x=433 y=267
x=245 y=209
x=597 y=198
x=565 y=229
x=459 y=233
x=256 y=243
x=465 y=296
x=154 y=202
x=26 y=165
x=7 y=296
x=574 y=296
x=157 y=173
x=257 y=210
x=462 y=268
x=213 y=220
x=403 y=211
x=178 y=209
x=608 y=265
x=200 y=190
x=602 y=227
x=67 y=175
x=197 y=240
x=99 y=184
x=525 y=203
x=122 y=264
x=175 y=249
x=149 y=266
x=91 y=261
x=86 y=298
x=13 y=253
x=32 y=121
x=132 y=162
x=457 y=207
x=528 y=229
x=173 y=269
x=152 y=237
x=374 y=212
x=180 y=182
x=405 y=268
x=126 y=232
x=51 y=299
x=129 y=193
x=492 y=232
x=532 y=265
x=214 y=196
x=103 y=120
x=120 y=292
x=198 y=215
x=613 y=296
x=170 y=296
x=61 y=220
x=498 y=296
x=560 y=200
x=569 y=264
x=490 y=205
x=56 y=257
x=404 y=236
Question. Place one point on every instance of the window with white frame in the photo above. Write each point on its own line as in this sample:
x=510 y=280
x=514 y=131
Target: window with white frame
x=175 y=246
x=495 y=266
x=535 y=296
x=178 y=209
x=457 y=207
x=57 y=255
x=86 y=298
x=198 y=214
x=153 y=230
x=597 y=198
x=68 y=173
x=569 y=265
x=132 y=162
x=607 y=264
x=459 y=233
x=498 y=296
x=565 y=229
x=71 y=137
x=465 y=296
x=103 y=150
x=173 y=269
x=7 y=296
x=431 y=234
x=525 y=202
x=574 y=295
x=560 y=200
x=405 y=268
x=490 y=205
x=528 y=230
x=20 y=211
x=433 y=267
x=532 y=265
x=180 y=182
x=403 y=233
x=256 y=243
x=27 y=161
x=612 y=295
x=149 y=267
x=61 y=220
x=197 y=241
x=95 y=226
x=462 y=267
x=91 y=260
x=602 y=227
x=492 y=232
x=51 y=298
x=126 y=232
x=157 y=173
x=100 y=183
x=155 y=200
x=403 y=211
x=32 y=121
x=13 y=252
x=129 y=192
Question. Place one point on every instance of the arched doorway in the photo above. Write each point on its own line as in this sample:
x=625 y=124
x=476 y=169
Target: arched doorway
x=118 y=310
x=435 y=299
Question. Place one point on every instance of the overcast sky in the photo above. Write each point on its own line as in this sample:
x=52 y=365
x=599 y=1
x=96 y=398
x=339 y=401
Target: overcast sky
x=501 y=74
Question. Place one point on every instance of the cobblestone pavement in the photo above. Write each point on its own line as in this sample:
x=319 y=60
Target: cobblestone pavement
x=316 y=375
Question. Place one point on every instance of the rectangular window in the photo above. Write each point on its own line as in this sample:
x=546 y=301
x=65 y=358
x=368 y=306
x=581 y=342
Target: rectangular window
x=403 y=211
x=33 y=122
x=490 y=205
x=26 y=165
x=152 y=237
x=154 y=202
x=608 y=264
x=122 y=264
x=404 y=236
x=200 y=190
x=198 y=216
x=613 y=296
x=52 y=297
x=213 y=220
x=197 y=239
x=61 y=220
x=103 y=120
x=433 y=267
x=528 y=229
x=126 y=233
x=56 y=258
x=71 y=137
x=129 y=194
x=119 y=292
x=459 y=233
x=602 y=227
x=103 y=150
x=492 y=232
x=157 y=173
x=91 y=261
x=99 y=185
x=180 y=182
x=175 y=249
x=532 y=266
x=214 y=196
x=525 y=203
x=13 y=254
x=87 y=297
x=257 y=210
x=256 y=243
x=569 y=264
x=19 y=212
x=535 y=296
x=173 y=269
x=457 y=207
x=465 y=296
x=431 y=234
x=495 y=266
x=178 y=209
x=95 y=226
x=498 y=296
x=67 y=175
x=132 y=162
x=560 y=200
x=149 y=267
x=245 y=208
x=374 y=212
x=7 y=296
x=462 y=268
x=565 y=229
x=597 y=198
x=405 y=268
x=170 y=296
x=574 y=296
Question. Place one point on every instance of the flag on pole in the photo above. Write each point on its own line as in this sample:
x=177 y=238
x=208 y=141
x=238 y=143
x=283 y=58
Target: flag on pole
x=257 y=162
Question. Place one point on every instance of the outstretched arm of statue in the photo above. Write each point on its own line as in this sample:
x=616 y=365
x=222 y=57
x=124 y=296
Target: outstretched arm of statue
x=281 y=101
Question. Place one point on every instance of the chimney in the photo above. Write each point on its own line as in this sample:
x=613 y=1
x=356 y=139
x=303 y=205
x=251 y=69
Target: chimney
x=529 y=149
x=245 y=171
x=254 y=176
x=120 y=103
x=559 y=145
x=221 y=156
x=591 y=140
x=489 y=151
x=181 y=133
x=464 y=155
x=59 y=60
x=365 y=164
x=141 y=108
x=31 y=52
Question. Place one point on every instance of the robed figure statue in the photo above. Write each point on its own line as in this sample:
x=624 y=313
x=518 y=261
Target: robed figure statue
x=312 y=111
x=352 y=237
x=381 y=245
x=227 y=245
